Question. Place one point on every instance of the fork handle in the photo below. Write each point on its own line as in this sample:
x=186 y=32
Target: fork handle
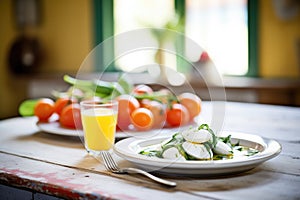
x=157 y=179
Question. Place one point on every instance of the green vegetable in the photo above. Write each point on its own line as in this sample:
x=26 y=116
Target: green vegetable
x=151 y=153
x=158 y=96
x=100 y=87
x=222 y=157
x=26 y=108
x=212 y=144
x=226 y=140
x=104 y=89
x=176 y=139
x=126 y=85
x=248 y=151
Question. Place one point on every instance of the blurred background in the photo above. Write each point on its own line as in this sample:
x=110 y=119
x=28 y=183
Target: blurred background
x=255 y=45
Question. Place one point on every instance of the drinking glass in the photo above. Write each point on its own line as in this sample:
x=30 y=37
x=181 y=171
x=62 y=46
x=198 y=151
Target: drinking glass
x=99 y=120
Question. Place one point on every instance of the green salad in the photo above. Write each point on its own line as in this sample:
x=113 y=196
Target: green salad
x=198 y=143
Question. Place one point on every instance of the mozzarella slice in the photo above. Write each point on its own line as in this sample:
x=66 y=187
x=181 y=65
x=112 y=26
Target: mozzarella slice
x=173 y=154
x=222 y=148
x=196 y=136
x=198 y=151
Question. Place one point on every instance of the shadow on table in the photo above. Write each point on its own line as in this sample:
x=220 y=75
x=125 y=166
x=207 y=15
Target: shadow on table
x=252 y=178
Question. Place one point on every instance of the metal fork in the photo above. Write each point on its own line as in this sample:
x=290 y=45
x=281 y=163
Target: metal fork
x=112 y=166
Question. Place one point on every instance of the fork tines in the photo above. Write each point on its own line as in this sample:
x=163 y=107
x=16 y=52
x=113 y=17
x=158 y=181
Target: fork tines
x=109 y=162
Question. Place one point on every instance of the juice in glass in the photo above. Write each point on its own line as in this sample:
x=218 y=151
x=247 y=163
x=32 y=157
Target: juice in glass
x=99 y=125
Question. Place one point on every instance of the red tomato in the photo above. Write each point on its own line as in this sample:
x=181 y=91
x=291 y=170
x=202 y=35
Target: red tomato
x=142 y=89
x=142 y=119
x=44 y=109
x=159 y=114
x=60 y=104
x=127 y=104
x=177 y=115
x=192 y=103
x=70 y=116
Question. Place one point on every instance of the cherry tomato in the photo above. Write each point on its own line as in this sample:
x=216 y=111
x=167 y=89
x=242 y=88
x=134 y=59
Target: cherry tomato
x=142 y=119
x=60 y=104
x=159 y=114
x=177 y=115
x=70 y=116
x=142 y=89
x=192 y=103
x=44 y=108
x=127 y=104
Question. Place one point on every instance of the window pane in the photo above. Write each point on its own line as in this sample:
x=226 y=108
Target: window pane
x=134 y=14
x=221 y=28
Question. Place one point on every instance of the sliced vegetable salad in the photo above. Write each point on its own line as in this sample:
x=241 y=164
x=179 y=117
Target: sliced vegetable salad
x=140 y=107
x=198 y=143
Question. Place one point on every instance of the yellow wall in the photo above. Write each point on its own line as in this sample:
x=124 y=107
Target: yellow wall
x=65 y=34
x=9 y=92
x=277 y=43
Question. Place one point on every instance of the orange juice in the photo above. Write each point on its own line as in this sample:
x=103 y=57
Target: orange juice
x=99 y=126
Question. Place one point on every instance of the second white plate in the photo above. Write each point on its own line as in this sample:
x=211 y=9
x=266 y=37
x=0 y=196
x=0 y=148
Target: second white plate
x=56 y=128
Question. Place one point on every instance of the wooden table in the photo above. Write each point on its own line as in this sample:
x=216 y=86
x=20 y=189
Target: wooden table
x=34 y=164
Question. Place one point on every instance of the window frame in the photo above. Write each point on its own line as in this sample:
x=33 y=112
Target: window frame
x=253 y=13
x=103 y=29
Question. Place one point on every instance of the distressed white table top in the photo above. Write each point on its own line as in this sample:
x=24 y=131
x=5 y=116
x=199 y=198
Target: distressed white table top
x=58 y=165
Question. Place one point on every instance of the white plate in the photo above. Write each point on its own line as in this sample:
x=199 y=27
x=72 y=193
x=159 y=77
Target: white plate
x=129 y=148
x=56 y=128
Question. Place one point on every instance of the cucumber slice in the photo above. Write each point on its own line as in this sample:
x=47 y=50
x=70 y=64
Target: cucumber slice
x=26 y=108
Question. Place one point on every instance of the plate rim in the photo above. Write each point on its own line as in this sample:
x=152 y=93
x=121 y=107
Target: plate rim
x=141 y=160
x=59 y=130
